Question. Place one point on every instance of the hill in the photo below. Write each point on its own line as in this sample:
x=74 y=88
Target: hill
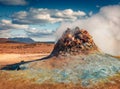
x=6 y=40
x=23 y=40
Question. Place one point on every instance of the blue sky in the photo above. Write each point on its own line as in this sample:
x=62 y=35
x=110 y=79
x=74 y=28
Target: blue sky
x=39 y=19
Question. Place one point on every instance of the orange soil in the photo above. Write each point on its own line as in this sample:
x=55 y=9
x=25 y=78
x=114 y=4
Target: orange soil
x=21 y=48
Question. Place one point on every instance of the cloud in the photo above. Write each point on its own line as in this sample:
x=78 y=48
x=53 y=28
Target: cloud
x=34 y=32
x=90 y=13
x=41 y=34
x=43 y=16
x=97 y=6
x=11 y=33
x=7 y=24
x=13 y=2
x=8 y=29
x=103 y=26
x=4 y=33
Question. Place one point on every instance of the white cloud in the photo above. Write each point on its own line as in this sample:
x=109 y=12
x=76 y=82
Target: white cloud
x=34 y=32
x=97 y=6
x=42 y=16
x=90 y=13
x=13 y=2
x=4 y=33
x=12 y=33
x=41 y=34
x=8 y=29
x=7 y=24
x=46 y=38
x=103 y=26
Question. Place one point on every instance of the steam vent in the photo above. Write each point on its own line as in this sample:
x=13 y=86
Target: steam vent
x=75 y=59
x=74 y=42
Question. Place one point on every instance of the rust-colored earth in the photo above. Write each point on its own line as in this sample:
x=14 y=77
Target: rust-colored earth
x=20 y=83
x=22 y=48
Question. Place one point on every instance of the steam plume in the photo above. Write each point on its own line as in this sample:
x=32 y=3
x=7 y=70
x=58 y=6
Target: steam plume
x=103 y=26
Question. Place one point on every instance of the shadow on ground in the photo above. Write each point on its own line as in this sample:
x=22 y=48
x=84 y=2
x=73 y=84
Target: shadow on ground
x=16 y=66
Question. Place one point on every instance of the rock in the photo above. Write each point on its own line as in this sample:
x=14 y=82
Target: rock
x=76 y=41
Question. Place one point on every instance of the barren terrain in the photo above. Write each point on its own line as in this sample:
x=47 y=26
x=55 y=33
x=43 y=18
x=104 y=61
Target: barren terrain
x=22 y=48
x=7 y=82
x=11 y=53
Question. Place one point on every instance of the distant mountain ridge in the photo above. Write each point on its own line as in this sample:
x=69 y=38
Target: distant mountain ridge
x=6 y=40
x=20 y=39
x=3 y=40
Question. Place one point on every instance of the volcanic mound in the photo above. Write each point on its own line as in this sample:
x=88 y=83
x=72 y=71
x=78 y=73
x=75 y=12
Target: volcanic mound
x=75 y=42
x=75 y=59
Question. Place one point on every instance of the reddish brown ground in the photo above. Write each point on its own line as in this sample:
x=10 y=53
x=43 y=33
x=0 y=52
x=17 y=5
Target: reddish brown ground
x=118 y=57
x=20 y=83
x=21 y=48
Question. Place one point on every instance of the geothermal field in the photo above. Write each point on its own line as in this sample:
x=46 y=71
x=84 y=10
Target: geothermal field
x=73 y=62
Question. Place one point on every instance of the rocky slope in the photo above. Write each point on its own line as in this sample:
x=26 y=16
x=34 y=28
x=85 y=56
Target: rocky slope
x=75 y=42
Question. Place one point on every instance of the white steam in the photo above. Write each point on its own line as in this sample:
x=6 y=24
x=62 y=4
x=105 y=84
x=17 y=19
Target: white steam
x=103 y=26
